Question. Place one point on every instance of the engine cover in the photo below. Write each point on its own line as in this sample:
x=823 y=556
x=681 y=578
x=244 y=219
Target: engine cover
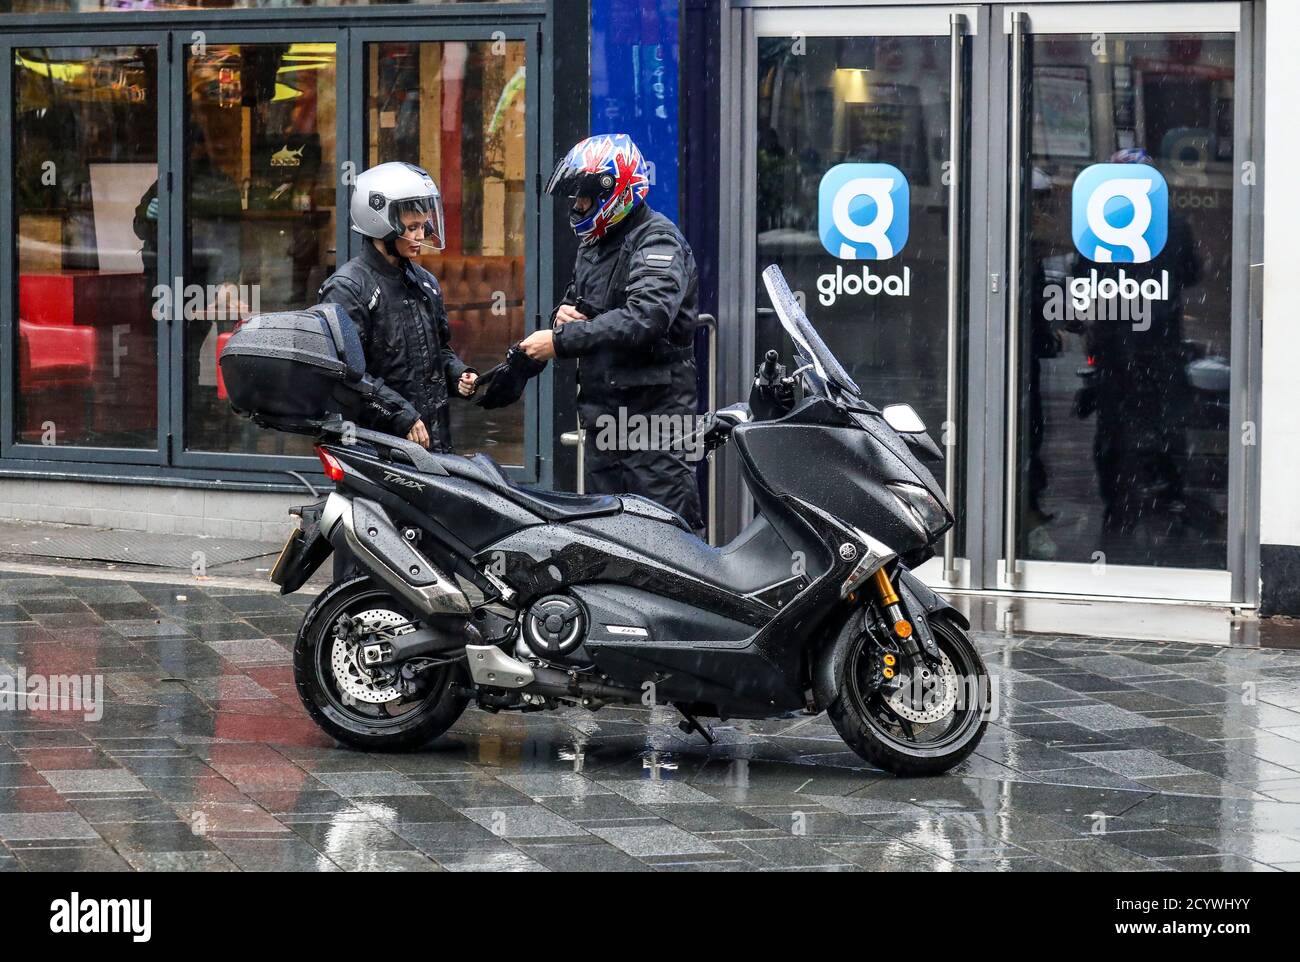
x=555 y=626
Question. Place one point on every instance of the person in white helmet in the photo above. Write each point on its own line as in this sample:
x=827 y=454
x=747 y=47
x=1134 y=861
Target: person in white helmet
x=397 y=305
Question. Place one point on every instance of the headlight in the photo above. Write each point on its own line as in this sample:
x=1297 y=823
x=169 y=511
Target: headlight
x=929 y=516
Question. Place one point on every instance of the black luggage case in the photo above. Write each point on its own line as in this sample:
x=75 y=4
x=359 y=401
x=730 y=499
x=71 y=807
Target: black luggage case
x=291 y=370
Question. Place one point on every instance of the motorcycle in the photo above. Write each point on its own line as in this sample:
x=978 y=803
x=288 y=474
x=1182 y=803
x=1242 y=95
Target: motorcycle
x=478 y=589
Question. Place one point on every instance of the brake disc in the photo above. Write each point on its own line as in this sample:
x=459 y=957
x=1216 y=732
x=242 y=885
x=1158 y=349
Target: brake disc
x=934 y=702
x=354 y=681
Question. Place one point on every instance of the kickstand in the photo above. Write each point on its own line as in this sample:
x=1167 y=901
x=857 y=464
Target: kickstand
x=692 y=724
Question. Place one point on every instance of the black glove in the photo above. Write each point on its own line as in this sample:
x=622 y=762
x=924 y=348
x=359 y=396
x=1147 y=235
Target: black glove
x=505 y=383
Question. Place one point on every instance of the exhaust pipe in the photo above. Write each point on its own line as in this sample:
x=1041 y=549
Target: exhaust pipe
x=364 y=528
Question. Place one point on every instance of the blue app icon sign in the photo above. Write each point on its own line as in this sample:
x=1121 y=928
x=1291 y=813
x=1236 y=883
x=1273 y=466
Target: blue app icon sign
x=1120 y=213
x=862 y=211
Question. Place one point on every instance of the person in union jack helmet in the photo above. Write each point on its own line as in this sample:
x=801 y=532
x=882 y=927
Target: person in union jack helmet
x=629 y=319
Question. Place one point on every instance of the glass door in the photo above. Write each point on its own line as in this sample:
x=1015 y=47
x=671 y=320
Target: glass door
x=1126 y=263
x=861 y=146
x=458 y=103
x=256 y=198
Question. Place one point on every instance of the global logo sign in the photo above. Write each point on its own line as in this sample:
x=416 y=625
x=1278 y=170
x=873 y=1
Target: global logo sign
x=862 y=211
x=1120 y=213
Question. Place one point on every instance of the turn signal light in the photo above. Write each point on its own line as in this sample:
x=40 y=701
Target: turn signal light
x=333 y=469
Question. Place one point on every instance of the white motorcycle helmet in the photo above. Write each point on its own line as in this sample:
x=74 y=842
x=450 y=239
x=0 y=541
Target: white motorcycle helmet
x=386 y=191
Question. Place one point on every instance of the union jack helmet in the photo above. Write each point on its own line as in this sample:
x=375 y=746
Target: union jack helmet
x=611 y=171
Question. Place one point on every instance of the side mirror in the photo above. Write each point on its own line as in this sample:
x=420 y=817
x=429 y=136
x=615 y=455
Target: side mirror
x=903 y=419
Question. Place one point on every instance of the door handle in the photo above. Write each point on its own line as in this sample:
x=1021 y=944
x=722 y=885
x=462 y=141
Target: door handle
x=710 y=324
x=574 y=439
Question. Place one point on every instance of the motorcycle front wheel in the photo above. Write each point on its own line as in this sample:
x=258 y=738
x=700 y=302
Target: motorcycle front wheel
x=357 y=706
x=924 y=729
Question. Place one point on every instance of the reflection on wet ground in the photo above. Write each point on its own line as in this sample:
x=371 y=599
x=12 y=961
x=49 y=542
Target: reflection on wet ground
x=1105 y=755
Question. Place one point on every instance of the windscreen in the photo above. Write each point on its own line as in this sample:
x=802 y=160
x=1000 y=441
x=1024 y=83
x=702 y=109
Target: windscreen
x=807 y=341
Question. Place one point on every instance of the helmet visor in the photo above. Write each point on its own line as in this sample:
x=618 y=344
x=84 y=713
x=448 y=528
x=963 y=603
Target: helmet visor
x=562 y=180
x=568 y=181
x=425 y=209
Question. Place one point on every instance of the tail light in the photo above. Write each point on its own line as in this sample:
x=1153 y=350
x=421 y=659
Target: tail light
x=333 y=469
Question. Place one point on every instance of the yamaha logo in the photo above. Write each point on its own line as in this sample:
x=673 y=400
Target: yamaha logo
x=848 y=552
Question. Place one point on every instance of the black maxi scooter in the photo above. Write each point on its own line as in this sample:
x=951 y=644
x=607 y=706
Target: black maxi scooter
x=520 y=599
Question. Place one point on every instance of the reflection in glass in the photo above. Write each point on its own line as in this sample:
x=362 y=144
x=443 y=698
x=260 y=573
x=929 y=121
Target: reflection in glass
x=457 y=109
x=85 y=148
x=1124 y=399
x=829 y=101
x=259 y=213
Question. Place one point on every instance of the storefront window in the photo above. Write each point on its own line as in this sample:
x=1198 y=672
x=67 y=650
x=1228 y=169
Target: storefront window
x=458 y=110
x=259 y=213
x=86 y=159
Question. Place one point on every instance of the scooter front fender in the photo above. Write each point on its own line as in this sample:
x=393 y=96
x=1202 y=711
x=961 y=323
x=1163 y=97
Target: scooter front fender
x=920 y=601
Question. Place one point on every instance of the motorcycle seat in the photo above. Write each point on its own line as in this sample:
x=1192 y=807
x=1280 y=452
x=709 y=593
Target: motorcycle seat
x=551 y=505
x=755 y=560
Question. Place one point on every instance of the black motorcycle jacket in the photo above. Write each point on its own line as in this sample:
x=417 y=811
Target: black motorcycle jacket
x=639 y=288
x=400 y=315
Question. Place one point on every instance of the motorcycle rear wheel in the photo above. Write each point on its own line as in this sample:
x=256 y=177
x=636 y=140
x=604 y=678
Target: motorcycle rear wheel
x=331 y=699
x=881 y=736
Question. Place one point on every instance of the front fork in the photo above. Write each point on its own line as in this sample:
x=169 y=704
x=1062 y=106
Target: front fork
x=899 y=626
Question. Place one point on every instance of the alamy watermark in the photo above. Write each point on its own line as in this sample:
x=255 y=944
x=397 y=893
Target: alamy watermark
x=83 y=694
x=219 y=302
x=1104 y=299
x=682 y=434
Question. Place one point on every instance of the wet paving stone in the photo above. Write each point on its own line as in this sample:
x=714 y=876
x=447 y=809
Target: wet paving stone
x=406 y=808
x=1102 y=717
x=658 y=792
x=596 y=857
x=275 y=855
x=523 y=821
x=201 y=861
x=1106 y=755
x=1216 y=863
x=93 y=781
x=646 y=840
x=98 y=857
x=1134 y=763
x=353 y=784
x=47 y=826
